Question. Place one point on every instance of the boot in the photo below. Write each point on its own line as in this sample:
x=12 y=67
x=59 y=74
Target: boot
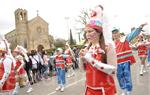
x=144 y=69
x=141 y=70
x=69 y=71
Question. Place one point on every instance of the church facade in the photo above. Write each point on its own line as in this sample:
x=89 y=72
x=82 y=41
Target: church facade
x=29 y=33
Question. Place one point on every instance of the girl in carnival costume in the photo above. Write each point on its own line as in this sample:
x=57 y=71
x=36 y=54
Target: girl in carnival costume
x=69 y=60
x=7 y=74
x=142 y=53
x=99 y=56
x=22 y=79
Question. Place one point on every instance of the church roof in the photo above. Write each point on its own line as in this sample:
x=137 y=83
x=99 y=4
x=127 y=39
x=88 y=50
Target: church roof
x=37 y=18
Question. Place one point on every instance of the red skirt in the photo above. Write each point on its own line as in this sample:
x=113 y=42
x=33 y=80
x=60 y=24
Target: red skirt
x=90 y=91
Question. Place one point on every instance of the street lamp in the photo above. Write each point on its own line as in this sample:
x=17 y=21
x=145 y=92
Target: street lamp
x=67 y=21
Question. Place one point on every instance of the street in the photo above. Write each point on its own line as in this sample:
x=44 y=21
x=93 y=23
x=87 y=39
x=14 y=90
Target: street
x=76 y=85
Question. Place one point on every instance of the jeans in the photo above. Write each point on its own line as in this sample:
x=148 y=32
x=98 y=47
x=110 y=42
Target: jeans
x=60 y=76
x=124 y=76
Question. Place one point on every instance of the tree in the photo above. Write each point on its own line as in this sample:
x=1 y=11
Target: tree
x=71 y=41
x=59 y=42
x=83 y=17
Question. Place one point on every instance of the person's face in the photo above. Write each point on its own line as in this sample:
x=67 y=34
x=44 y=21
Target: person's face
x=1 y=54
x=116 y=35
x=15 y=53
x=58 y=52
x=140 y=38
x=149 y=39
x=91 y=35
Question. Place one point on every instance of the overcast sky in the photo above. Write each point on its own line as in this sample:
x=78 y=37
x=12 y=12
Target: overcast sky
x=122 y=14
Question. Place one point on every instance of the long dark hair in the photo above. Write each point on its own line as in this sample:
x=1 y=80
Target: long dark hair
x=101 y=43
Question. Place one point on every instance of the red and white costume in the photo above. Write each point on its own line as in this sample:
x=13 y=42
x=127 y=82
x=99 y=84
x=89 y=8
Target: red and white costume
x=97 y=81
x=142 y=49
x=21 y=75
x=19 y=62
x=68 y=59
x=60 y=62
x=7 y=75
x=124 y=52
x=20 y=71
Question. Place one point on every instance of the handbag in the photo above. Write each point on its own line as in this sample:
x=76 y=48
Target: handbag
x=34 y=66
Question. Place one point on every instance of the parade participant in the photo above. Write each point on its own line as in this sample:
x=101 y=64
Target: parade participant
x=69 y=61
x=40 y=60
x=7 y=75
x=21 y=75
x=60 y=68
x=142 y=53
x=125 y=58
x=148 y=51
x=96 y=57
x=46 y=65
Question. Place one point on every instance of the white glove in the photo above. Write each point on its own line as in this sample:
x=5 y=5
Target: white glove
x=106 y=68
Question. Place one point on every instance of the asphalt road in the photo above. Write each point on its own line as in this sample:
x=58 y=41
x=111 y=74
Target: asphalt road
x=76 y=85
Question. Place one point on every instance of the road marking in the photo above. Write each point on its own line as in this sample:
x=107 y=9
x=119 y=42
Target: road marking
x=69 y=85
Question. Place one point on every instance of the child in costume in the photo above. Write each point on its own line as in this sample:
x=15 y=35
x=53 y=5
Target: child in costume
x=142 y=53
x=60 y=68
x=21 y=75
x=69 y=60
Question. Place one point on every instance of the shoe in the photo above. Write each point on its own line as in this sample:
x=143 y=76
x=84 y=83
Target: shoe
x=68 y=76
x=58 y=88
x=128 y=93
x=144 y=71
x=30 y=90
x=15 y=93
x=148 y=65
x=73 y=74
x=48 y=79
x=123 y=92
x=141 y=74
x=62 y=89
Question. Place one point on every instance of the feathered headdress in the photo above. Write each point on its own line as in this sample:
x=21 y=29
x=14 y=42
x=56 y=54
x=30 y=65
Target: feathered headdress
x=22 y=50
x=5 y=47
x=98 y=20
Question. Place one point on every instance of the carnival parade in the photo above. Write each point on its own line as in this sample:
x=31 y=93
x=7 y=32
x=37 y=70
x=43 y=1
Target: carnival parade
x=103 y=61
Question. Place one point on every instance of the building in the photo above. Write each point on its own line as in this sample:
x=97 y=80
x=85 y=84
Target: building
x=29 y=33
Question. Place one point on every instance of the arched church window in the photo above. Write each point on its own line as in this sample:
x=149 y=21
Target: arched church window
x=39 y=30
x=21 y=16
x=25 y=16
x=25 y=44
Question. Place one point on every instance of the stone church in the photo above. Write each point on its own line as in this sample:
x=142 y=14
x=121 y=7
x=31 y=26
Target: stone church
x=29 y=33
